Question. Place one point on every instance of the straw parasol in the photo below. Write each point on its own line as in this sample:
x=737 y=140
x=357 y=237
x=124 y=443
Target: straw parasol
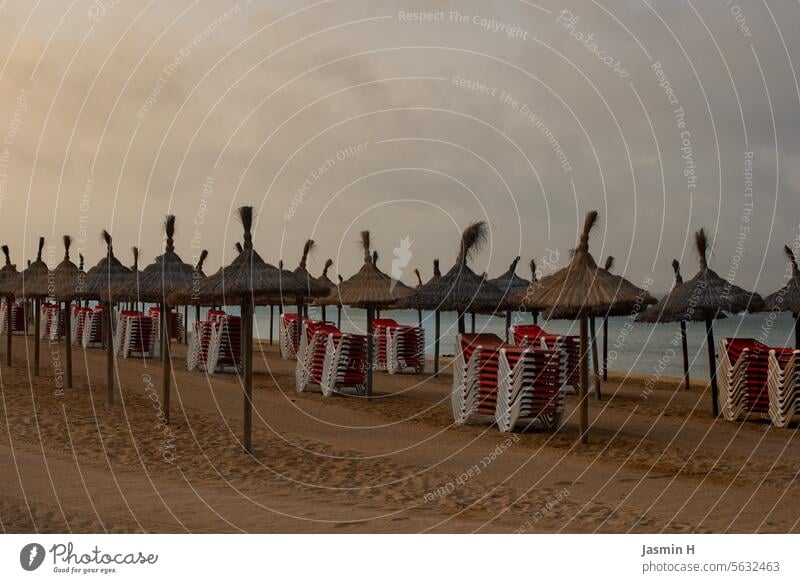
x=460 y=289
x=64 y=276
x=618 y=286
x=609 y=264
x=108 y=272
x=33 y=284
x=242 y=281
x=302 y=272
x=9 y=279
x=705 y=297
x=582 y=288
x=787 y=299
x=510 y=283
x=198 y=275
x=326 y=282
x=371 y=289
x=167 y=272
x=652 y=316
x=419 y=285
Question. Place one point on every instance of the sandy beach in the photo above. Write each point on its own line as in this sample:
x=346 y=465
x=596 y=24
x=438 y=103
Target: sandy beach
x=657 y=461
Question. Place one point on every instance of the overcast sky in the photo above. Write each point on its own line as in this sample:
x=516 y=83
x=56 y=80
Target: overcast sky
x=335 y=116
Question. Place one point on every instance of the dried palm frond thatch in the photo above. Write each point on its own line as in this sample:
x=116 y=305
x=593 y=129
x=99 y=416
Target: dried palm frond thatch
x=510 y=283
x=33 y=282
x=704 y=297
x=167 y=272
x=460 y=289
x=66 y=275
x=105 y=274
x=247 y=277
x=9 y=276
x=582 y=287
x=786 y=299
x=369 y=286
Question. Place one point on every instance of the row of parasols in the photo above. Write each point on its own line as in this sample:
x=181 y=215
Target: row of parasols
x=581 y=290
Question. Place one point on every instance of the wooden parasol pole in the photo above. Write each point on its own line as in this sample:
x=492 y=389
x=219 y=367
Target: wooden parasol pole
x=68 y=337
x=109 y=333
x=605 y=348
x=369 y=350
x=508 y=324
x=247 y=365
x=271 y=325
x=584 y=373
x=37 y=318
x=166 y=358
x=10 y=330
x=595 y=364
x=437 y=332
x=712 y=367
x=685 y=349
x=796 y=331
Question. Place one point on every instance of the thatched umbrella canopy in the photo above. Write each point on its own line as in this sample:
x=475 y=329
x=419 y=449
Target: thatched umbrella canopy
x=369 y=288
x=246 y=278
x=460 y=289
x=9 y=280
x=167 y=273
x=651 y=316
x=107 y=273
x=787 y=299
x=66 y=275
x=326 y=282
x=583 y=287
x=705 y=297
x=510 y=283
x=9 y=276
x=313 y=286
x=33 y=284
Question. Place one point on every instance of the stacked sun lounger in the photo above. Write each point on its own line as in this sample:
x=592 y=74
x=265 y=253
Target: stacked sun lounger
x=136 y=334
x=17 y=315
x=52 y=320
x=79 y=315
x=398 y=348
x=289 y=335
x=225 y=351
x=782 y=386
x=175 y=320
x=199 y=345
x=742 y=375
x=533 y=335
x=331 y=360
x=506 y=384
x=91 y=331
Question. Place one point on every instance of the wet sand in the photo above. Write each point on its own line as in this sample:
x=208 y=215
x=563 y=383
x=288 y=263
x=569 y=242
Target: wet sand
x=657 y=461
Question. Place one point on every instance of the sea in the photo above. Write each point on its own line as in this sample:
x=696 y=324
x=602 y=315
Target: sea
x=632 y=347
